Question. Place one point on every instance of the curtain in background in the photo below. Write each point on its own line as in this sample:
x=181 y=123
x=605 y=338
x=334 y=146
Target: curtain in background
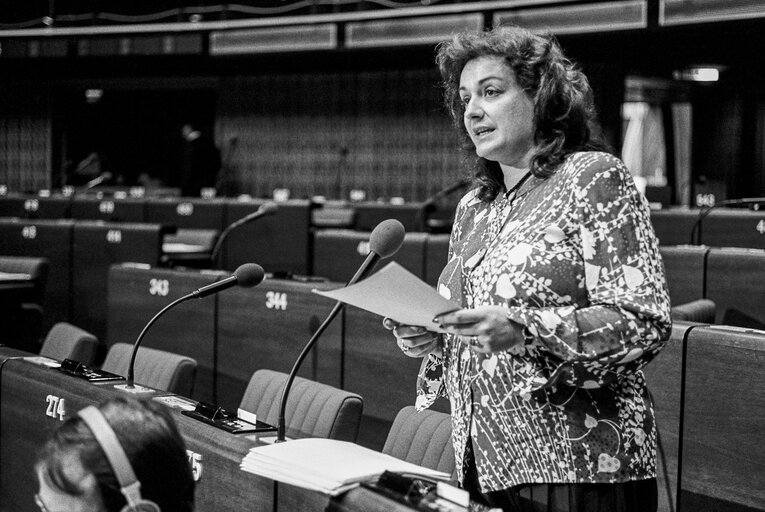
x=644 y=149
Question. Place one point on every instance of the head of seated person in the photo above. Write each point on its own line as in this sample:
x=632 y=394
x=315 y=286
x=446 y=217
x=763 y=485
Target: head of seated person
x=75 y=474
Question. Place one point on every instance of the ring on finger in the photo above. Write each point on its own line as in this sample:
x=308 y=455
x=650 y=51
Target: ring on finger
x=474 y=341
x=403 y=347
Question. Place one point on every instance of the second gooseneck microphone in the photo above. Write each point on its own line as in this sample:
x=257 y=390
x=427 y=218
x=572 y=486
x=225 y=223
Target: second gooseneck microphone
x=386 y=239
x=265 y=209
x=246 y=276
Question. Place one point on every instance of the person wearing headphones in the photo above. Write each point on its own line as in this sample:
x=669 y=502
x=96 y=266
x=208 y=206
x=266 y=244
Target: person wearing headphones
x=125 y=455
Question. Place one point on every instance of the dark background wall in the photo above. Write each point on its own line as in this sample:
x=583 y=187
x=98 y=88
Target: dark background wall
x=329 y=121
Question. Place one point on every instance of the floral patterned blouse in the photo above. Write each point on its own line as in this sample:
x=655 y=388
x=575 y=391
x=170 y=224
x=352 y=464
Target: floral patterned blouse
x=575 y=260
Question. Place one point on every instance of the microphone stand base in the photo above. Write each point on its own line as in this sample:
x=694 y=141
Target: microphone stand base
x=136 y=389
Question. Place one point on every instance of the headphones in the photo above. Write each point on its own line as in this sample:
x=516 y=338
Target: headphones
x=130 y=487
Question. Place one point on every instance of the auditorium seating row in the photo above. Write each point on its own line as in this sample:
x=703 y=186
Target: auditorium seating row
x=705 y=385
x=79 y=253
x=234 y=333
x=723 y=227
x=35 y=399
x=732 y=278
x=707 y=390
x=732 y=227
x=217 y=213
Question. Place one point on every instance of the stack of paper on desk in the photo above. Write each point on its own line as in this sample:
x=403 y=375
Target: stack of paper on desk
x=326 y=465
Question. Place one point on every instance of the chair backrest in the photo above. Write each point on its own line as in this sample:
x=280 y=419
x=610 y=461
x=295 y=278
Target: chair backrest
x=158 y=369
x=67 y=341
x=313 y=409
x=699 y=310
x=422 y=438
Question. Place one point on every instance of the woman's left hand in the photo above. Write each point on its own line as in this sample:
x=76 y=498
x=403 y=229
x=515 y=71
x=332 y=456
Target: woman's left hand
x=485 y=329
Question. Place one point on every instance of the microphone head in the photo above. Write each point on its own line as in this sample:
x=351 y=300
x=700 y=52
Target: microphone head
x=249 y=275
x=268 y=208
x=387 y=238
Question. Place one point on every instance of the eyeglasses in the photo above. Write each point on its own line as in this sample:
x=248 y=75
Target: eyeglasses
x=40 y=504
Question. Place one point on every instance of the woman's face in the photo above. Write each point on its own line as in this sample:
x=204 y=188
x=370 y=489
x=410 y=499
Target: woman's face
x=499 y=115
x=50 y=499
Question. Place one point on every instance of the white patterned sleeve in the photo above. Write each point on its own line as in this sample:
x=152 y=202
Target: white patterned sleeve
x=627 y=318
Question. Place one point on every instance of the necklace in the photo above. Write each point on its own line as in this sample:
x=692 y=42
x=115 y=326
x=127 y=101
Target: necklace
x=517 y=185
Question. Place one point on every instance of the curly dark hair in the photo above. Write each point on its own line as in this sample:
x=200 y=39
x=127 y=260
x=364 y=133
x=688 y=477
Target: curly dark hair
x=148 y=434
x=564 y=112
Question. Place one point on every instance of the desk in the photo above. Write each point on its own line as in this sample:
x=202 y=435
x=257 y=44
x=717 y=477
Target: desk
x=27 y=388
x=26 y=392
x=45 y=239
x=15 y=291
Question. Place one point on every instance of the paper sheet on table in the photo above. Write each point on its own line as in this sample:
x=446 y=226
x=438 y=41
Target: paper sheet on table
x=396 y=293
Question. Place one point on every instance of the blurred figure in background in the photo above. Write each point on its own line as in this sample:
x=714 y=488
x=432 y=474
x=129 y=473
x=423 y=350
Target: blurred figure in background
x=200 y=161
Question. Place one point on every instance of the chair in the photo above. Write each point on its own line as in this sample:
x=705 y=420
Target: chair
x=154 y=368
x=67 y=341
x=313 y=409
x=422 y=438
x=701 y=311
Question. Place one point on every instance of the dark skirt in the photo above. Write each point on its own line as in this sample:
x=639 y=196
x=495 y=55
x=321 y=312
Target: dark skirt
x=634 y=496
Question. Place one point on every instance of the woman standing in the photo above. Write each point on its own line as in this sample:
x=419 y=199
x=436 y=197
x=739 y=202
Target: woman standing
x=555 y=262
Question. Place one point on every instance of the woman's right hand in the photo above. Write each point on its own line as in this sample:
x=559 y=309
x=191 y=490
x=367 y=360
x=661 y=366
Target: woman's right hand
x=413 y=341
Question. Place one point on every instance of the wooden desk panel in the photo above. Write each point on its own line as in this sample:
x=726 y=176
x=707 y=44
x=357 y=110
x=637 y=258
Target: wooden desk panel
x=723 y=456
x=370 y=214
x=223 y=486
x=267 y=327
x=108 y=209
x=735 y=280
x=664 y=378
x=279 y=243
x=734 y=227
x=96 y=246
x=338 y=253
x=684 y=267
x=191 y=213
x=673 y=225
x=137 y=294
x=35 y=207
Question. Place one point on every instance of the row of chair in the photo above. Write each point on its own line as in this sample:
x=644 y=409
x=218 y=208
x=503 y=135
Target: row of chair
x=722 y=227
x=215 y=213
x=233 y=334
x=703 y=384
x=82 y=251
x=314 y=409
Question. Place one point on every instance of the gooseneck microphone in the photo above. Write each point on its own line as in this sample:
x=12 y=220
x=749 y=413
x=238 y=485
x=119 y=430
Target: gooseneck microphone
x=427 y=205
x=104 y=176
x=696 y=229
x=268 y=208
x=246 y=276
x=386 y=239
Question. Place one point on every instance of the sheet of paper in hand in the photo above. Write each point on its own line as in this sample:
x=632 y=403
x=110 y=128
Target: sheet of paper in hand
x=396 y=293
